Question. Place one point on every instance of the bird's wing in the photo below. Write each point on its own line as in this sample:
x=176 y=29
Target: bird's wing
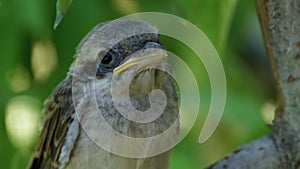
x=57 y=118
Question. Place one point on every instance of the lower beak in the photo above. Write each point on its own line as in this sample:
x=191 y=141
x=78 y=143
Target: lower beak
x=144 y=60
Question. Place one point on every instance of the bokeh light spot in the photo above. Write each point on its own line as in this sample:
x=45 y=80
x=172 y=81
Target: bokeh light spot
x=268 y=112
x=19 y=80
x=126 y=6
x=43 y=60
x=22 y=121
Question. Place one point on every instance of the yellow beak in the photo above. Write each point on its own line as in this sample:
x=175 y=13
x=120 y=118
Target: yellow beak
x=145 y=60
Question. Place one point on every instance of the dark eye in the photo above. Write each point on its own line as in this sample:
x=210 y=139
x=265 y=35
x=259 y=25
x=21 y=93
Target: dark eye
x=107 y=59
x=110 y=60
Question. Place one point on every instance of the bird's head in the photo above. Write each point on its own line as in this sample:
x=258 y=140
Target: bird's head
x=117 y=47
x=124 y=58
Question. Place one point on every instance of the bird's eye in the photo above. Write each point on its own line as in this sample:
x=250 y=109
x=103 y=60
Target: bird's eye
x=110 y=60
x=107 y=59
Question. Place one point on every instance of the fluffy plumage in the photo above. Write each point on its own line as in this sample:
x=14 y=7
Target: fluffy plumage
x=63 y=143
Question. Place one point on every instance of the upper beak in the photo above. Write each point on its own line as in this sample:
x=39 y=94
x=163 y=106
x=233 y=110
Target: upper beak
x=144 y=60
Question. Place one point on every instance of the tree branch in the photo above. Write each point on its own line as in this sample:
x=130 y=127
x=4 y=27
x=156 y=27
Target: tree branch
x=257 y=154
x=280 y=25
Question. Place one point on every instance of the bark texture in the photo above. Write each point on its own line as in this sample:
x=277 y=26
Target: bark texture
x=280 y=25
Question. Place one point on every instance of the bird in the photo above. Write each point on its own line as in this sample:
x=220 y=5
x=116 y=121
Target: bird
x=110 y=54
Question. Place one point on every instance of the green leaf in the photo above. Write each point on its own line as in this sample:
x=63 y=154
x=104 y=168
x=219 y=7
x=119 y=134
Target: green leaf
x=227 y=9
x=61 y=9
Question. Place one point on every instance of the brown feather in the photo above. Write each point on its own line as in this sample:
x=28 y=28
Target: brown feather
x=57 y=117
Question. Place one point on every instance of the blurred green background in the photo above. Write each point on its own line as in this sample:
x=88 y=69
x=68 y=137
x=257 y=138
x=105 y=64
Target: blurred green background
x=35 y=58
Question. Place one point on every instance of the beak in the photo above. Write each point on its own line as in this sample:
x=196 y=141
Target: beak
x=148 y=59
